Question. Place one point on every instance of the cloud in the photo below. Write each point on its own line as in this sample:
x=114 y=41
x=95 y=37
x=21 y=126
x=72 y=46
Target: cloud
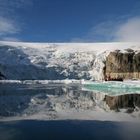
x=103 y=31
x=10 y=21
x=129 y=31
x=121 y=30
x=13 y=39
x=15 y=3
x=8 y=7
x=8 y=26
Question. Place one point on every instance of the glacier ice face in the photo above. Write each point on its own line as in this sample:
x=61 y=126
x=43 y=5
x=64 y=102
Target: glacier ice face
x=98 y=66
x=53 y=61
x=32 y=63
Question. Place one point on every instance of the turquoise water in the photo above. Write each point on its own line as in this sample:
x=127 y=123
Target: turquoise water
x=113 y=88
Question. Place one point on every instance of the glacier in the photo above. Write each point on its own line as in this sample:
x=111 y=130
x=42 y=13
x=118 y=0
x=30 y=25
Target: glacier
x=64 y=81
x=56 y=61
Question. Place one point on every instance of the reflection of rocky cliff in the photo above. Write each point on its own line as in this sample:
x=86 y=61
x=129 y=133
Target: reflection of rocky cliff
x=2 y=76
x=129 y=101
x=123 y=65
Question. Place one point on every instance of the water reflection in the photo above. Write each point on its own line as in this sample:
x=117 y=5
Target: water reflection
x=51 y=99
x=129 y=102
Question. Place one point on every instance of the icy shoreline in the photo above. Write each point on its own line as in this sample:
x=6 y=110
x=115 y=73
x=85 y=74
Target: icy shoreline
x=105 y=87
x=68 y=81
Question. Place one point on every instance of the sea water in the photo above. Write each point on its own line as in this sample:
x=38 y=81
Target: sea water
x=69 y=110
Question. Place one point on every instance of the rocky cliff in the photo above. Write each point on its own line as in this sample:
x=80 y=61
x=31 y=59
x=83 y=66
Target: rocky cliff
x=125 y=65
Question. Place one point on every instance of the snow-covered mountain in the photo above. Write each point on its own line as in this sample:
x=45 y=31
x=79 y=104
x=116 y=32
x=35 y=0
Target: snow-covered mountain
x=20 y=60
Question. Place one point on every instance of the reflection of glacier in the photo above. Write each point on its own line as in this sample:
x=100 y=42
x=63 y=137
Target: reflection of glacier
x=51 y=100
x=46 y=99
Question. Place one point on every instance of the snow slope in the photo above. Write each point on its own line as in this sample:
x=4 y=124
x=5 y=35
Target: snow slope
x=51 y=61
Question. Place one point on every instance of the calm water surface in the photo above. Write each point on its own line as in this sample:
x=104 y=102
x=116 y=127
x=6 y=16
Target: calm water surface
x=22 y=104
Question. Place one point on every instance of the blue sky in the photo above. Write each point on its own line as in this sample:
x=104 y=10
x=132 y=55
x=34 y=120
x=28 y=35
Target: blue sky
x=70 y=20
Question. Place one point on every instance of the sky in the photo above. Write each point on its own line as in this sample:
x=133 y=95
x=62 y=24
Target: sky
x=70 y=20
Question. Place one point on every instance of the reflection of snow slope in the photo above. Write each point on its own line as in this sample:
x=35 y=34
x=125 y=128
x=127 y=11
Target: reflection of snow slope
x=56 y=60
x=57 y=101
x=49 y=102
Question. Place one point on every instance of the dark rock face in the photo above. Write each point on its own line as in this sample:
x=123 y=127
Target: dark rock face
x=129 y=101
x=123 y=65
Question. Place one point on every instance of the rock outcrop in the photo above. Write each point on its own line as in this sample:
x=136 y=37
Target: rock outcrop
x=122 y=65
